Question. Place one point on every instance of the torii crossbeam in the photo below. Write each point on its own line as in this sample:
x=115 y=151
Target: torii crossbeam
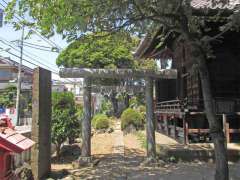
x=89 y=74
x=117 y=73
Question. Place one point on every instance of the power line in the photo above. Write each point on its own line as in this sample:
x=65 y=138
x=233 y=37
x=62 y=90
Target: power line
x=46 y=40
x=47 y=50
x=38 y=65
x=40 y=58
x=53 y=44
x=19 y=57
x=49 y=68
x=36 y=45
x=8 y=44
x=54 y=72
x=32 y=54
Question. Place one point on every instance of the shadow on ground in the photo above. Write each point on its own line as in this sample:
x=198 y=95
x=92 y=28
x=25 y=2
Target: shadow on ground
x=117 y=166
x=61 y=165
x=129 y=167
x=68 y=154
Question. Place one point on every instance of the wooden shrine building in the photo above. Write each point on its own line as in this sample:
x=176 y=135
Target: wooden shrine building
x=179 y=108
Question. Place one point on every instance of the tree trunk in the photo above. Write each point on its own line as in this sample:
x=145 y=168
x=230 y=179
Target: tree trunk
x=114 y=102
x=215 y=126
x=71 y=140
x=58 y=149
x=86 y=122
x=126 y=101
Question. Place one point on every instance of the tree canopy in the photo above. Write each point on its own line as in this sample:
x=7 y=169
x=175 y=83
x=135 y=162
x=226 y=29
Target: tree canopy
x=73 y=18
x=99 y=51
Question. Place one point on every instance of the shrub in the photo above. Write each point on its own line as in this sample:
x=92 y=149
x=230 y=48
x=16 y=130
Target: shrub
x=100 y=121
x=65 y=122
x=142 y=110
x=131 y=117
x=106 y=107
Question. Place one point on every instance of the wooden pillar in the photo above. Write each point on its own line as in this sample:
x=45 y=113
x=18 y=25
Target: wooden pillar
x=226 y=128
x=150 y=124
x=185 y=129
x=86 y=123
x=175 y=128
x=166 y=128
x=41 y=123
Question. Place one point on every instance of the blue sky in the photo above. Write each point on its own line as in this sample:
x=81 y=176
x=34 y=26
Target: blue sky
x=45 y=59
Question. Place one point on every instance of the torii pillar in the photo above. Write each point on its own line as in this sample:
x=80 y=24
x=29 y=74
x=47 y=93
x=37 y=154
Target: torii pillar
x=86 y=123
x=150 y=122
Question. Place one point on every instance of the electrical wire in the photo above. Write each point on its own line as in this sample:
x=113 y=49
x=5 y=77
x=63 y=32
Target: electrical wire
x=30 y=62
x=43 y=65
x=31 y=53
x=9 y=44
x=47 y=50
x=40 y=46
x=53 y=44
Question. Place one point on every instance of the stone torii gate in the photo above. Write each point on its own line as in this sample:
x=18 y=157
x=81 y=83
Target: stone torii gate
x=88 y=74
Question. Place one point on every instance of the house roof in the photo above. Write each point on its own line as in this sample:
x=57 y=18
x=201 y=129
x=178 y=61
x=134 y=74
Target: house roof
x=11 y=63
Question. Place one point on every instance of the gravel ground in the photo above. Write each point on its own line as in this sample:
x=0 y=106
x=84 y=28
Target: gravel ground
x=129 y=166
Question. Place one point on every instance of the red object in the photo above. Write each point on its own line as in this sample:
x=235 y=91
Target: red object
x=7 y=122
x=10 y=142
x=6 y=161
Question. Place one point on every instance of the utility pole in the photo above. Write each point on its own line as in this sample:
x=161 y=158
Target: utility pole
x=19 y=79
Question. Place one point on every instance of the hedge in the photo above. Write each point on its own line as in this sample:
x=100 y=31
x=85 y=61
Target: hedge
x=100 y=121
x=132 y=117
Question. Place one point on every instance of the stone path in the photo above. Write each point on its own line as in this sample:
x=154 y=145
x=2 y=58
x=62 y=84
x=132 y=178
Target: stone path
x=118 y=147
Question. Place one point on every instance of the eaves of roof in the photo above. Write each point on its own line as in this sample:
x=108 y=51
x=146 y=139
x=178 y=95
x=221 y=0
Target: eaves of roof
x=14 y=64
x=209 y=4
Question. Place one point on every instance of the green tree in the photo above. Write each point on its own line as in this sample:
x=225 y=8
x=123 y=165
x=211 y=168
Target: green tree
x=8 y=97
x=65 y=122
x=74 y=18
x=8 y=100
x=99 y=51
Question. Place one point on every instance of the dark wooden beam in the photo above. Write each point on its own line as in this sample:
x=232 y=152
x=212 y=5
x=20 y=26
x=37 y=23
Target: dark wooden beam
x=186 y=130
x=117 y=73
x=226 y=128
